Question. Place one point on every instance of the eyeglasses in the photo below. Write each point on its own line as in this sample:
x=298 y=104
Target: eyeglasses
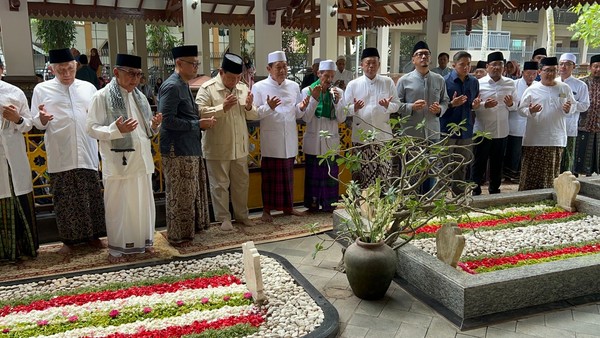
x=422 y=54
x=194 y=64
x=566 y=64
x=549 y=70
x=496 y=64
x=131 y=73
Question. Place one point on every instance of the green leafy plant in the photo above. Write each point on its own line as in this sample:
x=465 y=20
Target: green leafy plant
x=55 y=34
x=586 y=27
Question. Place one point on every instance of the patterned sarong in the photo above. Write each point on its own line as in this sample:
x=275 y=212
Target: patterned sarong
x=186 y=196
x=18 y=229
x=371 y=170
x=539 y=168
x=320 y=189
x=277 y=175
x=568 y=156
x=587 y=153
x=78 y=205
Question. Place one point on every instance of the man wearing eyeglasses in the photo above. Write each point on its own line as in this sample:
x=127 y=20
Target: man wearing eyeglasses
x=498 y=97
x=546 y=105
x=180 y=149
x=121 y=119
x=60 y=108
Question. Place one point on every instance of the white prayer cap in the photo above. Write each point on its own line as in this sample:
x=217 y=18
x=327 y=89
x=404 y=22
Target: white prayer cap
x=327 y=65
x=341 y=57
x=316 y=61
x=276 y=56
x=568 y=57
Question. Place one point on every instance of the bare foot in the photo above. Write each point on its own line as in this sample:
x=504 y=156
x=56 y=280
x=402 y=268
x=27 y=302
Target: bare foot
x=114 y=259
x=96 y=243
x=150 y=249
x=293 y=212
x=64 y=250
x=266 y=217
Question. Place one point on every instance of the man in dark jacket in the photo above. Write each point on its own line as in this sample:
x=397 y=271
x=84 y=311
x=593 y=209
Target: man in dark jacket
x=86 y=73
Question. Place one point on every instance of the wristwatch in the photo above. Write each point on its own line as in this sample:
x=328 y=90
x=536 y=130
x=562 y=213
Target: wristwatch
x=20 y=120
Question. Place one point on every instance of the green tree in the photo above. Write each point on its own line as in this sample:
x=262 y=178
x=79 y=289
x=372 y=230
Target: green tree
x=54 y=34
x=586 y=27
x=295 y=46
x=160 y=42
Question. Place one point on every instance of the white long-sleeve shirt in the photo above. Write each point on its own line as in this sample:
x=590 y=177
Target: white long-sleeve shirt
x=139 y=161
x=582 y=98
x=372 y=116
x=517 y=122
x=278 y=131
x=548 y=127
x=12 y=144
x=313 y=143
x=68 y=145
x=494 y=120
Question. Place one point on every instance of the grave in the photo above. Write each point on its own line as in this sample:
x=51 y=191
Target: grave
x=471 y=301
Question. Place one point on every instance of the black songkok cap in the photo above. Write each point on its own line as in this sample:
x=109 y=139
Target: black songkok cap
x=369 y=52
x=495 y=56
x=419 y=45
x=539 y=51
x=83 y=59
x=481 y=64
x=183 y=51
x=131 y=61
x=60 y=55
x=232 y=63
x=551 y=61
x=530 y=65
x=595 y=58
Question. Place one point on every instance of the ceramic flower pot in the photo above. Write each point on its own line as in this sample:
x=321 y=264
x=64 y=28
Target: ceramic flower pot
x=370 y=268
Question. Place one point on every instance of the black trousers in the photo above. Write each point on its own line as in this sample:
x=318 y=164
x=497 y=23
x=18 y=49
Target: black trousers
x=494 y=151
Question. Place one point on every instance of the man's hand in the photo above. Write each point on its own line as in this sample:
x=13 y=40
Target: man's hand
x=358 y=105
x=207 y=122
x=10 y=113
x=304 y=103
x=566 y=107
x=249 y=100
x=476 y=102
x=508 y=101
x=126 y=126
x=419 y=104
x=490 y=103
x=435 y=108
x=535 y=108
x=44 y=116
x=336 y=96
x=156 y=120
x=229 y=102
x=385 y=102
x=273 y=102
x=458 y=101
x=316 y=91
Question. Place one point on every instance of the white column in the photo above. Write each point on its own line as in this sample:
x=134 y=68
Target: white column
x=371 y=39
x=235 y=40
x=268 y=36
x=112 y=42
x=341 y=46
x=329 y=30
x=497 y=22
x=205 y=54
x=192 y=24
x=121 y=36
x=139 y=36
x=395 y=56
x=583 y=51
x=16 y=40
x=383 y=38
x=436 y=41
x=315 y=52
x=542 y=33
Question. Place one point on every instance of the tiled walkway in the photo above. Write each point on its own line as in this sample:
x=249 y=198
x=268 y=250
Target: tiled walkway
x=399 y=314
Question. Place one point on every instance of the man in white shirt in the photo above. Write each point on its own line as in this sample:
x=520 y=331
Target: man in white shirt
x=59 y=107
x=18 y=233
x=566 y=65
x=442 y=68
x=498 y=97
x=342 y=75
x=121 y=118
x=276 y=99
x=546 y=105
x=371 y=99
x=516 y=126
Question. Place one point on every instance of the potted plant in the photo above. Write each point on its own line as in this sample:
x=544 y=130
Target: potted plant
x=383 y=215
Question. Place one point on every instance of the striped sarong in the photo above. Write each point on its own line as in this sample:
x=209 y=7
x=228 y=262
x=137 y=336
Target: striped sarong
x=320 y=189
x=277 y=175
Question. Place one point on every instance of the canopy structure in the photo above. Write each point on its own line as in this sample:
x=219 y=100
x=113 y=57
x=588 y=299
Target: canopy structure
x=352 y=15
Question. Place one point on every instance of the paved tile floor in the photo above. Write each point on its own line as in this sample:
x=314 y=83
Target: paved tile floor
x=399 y=314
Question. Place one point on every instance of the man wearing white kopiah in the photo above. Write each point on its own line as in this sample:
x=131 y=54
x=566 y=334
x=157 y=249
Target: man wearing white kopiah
x=276 y=100
x=121 y=118
x=371 y=99
x=324 y=113
x=342 y=75
x=59 y=107
x=566 y=65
